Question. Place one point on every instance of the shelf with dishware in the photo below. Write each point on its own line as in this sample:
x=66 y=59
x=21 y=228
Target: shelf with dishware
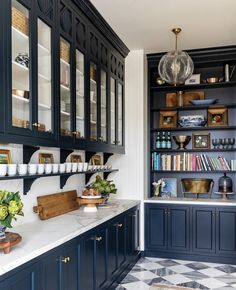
x=193 y=108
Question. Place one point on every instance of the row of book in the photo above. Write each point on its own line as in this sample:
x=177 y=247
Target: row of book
x=190 y=162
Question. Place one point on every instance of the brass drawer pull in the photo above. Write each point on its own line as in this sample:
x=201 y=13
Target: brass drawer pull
x=66 y=260
x=120 y=225
x=98 y=239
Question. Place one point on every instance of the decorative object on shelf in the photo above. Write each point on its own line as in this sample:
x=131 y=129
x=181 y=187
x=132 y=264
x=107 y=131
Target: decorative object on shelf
x=193 y=80
x=197 y=186
x=217 y=117
x=176 y=66
x=93 y=72
x=204 y=102
x=21 y=93
x=160 y=81
x=104 y=187
x=10 y=206
x=201 y=140
x=75 y=158
x=64 y=50
x=190 y=96
x=213 y=80
x=96 y=160
x=170 y=188
x=168 y=119
x=5 y=156
x=225 y=186
x=182 y=141
x=171 y=100
x=192 y=121
x=20 y=123
x=23 y=59
x=180 y=97
x=226 y=72
x=20 y=21
x=158 y=186
x=46 y=158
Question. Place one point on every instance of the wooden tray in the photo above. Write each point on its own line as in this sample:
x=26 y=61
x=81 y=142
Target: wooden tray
x=11 y=240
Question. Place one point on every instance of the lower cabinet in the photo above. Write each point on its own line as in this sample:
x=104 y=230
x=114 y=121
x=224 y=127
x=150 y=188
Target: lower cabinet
x=194 y=231
x=25 y=279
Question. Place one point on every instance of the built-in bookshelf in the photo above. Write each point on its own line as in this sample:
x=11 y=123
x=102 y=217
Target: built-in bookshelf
x=206 y=162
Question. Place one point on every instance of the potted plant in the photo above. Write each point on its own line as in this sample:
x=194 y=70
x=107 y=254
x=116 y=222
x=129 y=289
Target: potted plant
x=10 y=206
x=103 y=186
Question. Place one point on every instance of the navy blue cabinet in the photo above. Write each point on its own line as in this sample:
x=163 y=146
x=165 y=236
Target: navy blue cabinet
x=197 y=232
x=26 y=279
x=167 y=227
x=204 y=229
x=59 y=268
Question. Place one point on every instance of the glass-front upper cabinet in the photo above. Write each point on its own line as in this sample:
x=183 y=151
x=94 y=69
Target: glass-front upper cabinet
x=80 y=105
x=45 y=116
x=65 y=88
x=103 y=109
x=93 y=103
x=21 y=70
x=113 y=111
x=120 y=115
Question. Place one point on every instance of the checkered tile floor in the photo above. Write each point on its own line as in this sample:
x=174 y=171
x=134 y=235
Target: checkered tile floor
x=182 y=273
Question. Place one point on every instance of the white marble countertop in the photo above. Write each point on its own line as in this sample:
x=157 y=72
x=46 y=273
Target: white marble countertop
x=42 y=236
x=193 y=201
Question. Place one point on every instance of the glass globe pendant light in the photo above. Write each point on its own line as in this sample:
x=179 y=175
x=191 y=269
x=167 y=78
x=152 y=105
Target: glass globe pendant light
x=176 y=66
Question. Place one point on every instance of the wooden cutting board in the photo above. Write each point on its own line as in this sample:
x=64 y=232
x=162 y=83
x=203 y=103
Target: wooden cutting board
x=56 y=204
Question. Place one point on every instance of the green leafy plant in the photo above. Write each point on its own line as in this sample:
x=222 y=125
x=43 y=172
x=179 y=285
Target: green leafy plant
x=103 y=186
x=10 y=206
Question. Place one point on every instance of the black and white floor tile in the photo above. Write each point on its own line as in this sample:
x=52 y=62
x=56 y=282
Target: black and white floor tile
x=190 y=274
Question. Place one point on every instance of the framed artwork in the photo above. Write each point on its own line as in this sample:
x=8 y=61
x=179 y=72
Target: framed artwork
x=193 y=80
x=75 y=158
x=201 y=141
x=46 y=158
x=168 y=119
x=171 y=100
x=190 y=96
x=217 y=117
x=5 y=156
x=96 y=160
x=170 y=187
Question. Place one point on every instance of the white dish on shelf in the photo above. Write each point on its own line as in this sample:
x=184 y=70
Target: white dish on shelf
x=91 y=196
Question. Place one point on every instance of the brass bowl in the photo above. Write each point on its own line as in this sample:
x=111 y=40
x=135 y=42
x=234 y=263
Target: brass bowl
x=196 y=185
x=182 y=141
x=214 y=80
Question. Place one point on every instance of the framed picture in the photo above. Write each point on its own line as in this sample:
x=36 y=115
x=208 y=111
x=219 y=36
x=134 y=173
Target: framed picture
x=46 y=158
x=170 y=187
x=75 y=158
x=193 y=80
x=190 y=96
x=217 y=117
x=201 y=141
x=96 y=160
x=168 y=119
x=171 y=100
x=5 y=156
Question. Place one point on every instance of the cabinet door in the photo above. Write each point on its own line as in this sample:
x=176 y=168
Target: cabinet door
x=112 y=248
x=122 y=238
x=113 y=111
x=155 y=227
x=103 y=107
x=45 y=124
x=203 y=230
x=120 y=114
x=178 y=228
x=87 y=261
x=93 y=102
x=226 y=231
x=101 y=258
x=21 y=90
x=26 y=279
x=51 y=270
x=70 y=266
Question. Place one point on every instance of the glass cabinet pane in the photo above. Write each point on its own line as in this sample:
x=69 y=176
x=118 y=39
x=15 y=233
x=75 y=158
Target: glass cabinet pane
x=93 y=102
x=20 y=66
x=65 y=103
x=44 y=78
x=103 y=137
x=120 y=114
x=113 y=111
x=79 y=94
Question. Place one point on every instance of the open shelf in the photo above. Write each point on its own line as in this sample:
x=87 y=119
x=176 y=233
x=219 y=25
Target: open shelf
x=193 y=87
x=194 y=129
x=192 y=108
x=197 y=172
x=192 y=150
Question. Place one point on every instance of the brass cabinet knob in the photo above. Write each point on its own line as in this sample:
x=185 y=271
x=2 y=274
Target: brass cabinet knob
x=120 y=225
x=98 y=239
x=65 y=260
x=74 y=133
x=35 y=125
